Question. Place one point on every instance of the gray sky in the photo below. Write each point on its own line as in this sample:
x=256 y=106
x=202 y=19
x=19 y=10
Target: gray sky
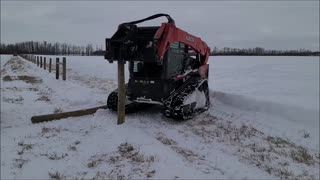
x=269 y=24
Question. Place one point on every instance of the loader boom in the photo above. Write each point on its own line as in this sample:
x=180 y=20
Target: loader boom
x=122 y=45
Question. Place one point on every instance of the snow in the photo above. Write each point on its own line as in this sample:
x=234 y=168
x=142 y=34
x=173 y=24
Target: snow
x=4 y=59
x=284 y=89
x=295 y=79
x=265 y=111
x=198 y=97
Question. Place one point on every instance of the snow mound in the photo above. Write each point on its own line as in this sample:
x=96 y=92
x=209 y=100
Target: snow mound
x=289 y=112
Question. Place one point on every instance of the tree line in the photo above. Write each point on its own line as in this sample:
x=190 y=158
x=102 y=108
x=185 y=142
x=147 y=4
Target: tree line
x=47 y=48
x=258 y=51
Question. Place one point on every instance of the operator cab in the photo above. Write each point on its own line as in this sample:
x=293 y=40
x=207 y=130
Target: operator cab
x=152 y=80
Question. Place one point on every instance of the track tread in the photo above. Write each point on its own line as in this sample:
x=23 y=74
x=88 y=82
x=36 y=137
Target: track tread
x=173 y=105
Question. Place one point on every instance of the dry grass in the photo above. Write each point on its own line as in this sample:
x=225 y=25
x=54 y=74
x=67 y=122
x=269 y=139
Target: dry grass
x=72 y=148
x=165 y=140
x=306 y=135
x=44 y=98
x=3 y=72
x=24 y=147
x=45 y=130
x=126 y=155
x=20 y=162
x=127 y=151
x=301 y=155
x=151 y=173
x=7 y=78
x=57 y=110
x=255 y=147
x=15 y=64
x=56 y=175
x=49 y=132
x=54 y=156
x=13 y=100
x=187 y=154
x=27 y=79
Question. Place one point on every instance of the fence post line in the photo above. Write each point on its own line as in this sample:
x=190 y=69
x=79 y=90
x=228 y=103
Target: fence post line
x=44 y=63
x=57 y=68
x=40 y=61
x=64 y=68
x=50 y=61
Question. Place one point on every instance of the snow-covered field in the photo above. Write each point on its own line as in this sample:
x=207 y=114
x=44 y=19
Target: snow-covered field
x=263 y=124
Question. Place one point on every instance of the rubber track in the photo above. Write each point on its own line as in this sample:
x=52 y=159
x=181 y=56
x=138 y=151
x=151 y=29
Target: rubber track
x=173 y=105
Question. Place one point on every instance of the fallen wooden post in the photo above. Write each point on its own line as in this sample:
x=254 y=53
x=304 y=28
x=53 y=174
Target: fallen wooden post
x=50 y=117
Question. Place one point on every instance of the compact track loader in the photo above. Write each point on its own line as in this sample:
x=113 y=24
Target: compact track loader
x=167 y=67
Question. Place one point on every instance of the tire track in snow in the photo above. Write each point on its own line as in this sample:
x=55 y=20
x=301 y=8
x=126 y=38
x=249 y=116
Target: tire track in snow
x=103 y=86
x=197 y=160
x=274 y=155
x=191 y=148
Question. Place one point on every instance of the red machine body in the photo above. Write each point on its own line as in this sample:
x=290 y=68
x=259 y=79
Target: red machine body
x=169 y=33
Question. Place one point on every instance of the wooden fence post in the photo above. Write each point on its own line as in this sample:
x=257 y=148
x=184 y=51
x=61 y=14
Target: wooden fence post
x=121 y=93
x=64 y=68
x=57 y=68
x=44 y=63
x=50 y=62
x=40 y=61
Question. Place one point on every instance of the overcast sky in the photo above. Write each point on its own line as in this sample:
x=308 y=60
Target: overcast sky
x=269 y=24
